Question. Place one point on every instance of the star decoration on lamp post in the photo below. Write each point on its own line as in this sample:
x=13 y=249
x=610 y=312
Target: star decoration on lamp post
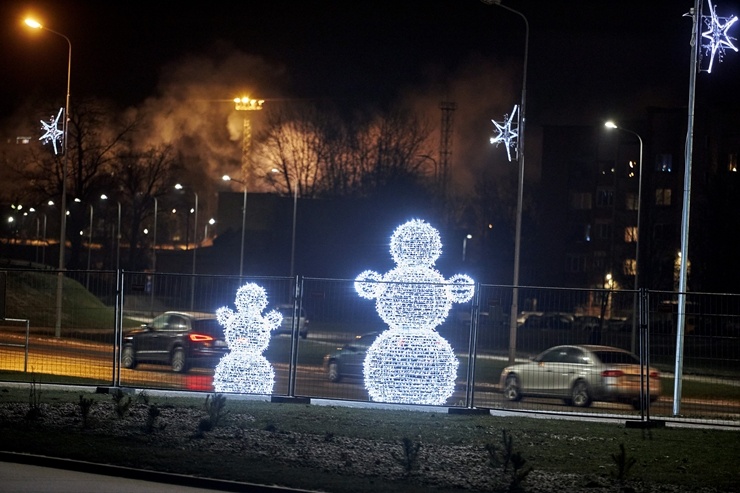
x=52 y=131
x=715 y=38
x=508 y=132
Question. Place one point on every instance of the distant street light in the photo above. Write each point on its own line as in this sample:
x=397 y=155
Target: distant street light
x=195 y=245
x=465 y=245
x=244 y=221
x=118 y=233
x=63 y=222
x=611 y=125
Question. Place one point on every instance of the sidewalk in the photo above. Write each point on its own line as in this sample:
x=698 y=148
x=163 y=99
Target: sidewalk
x=21 y=473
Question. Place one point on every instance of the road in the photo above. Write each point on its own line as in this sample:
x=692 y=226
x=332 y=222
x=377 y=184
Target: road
x=94 y=361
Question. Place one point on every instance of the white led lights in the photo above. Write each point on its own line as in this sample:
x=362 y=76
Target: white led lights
x=715 y=39
x=411 y=363
x=508 y=132
x=52 y=133
x=245 y=369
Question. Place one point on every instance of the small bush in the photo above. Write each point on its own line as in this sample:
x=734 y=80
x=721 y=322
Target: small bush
x=86 y=404
x=34 y=402
x=121 y=403
x=410 y=458
x=623 y=463
x=151 y=418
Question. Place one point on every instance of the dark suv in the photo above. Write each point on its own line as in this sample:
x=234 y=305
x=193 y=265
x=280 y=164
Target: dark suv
x=179 y=339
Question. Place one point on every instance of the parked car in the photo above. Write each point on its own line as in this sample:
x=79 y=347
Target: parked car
x=349 y=360
x=580 y=375
x=181 y=340
x=548 y=320
x=286 y=327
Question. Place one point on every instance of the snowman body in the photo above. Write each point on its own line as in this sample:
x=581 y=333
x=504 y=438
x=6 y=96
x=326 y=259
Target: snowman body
x=245 y=369
x=411 y=363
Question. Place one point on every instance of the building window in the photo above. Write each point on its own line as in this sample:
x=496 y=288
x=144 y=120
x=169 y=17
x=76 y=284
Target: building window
x=663 y=196
x=629 y=267
x=576 y=263
x=631 y=202
x=599 y=261
x=580 y=201
x=732 y=162
x=603 y=230
x=630 y=234
x=664 y=163
x=604 y=197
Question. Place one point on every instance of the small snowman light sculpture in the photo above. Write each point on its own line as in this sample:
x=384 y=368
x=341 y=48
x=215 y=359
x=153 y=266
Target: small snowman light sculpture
x=245 y=369
x=411 y=363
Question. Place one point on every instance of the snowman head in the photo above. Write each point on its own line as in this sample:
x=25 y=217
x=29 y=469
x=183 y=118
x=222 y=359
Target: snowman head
x=251 y=298
x=415 y=243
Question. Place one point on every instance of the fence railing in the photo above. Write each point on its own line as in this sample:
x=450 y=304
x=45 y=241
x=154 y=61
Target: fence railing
x=321 y=353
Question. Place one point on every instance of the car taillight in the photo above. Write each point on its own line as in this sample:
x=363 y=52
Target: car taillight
x=200 y=337
x=612 y=373
x=654 y=374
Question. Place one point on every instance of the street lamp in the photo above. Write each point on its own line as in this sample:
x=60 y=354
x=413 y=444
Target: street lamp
x=611 y=125
x=520 y=192
x=89 y=242
x=465 y=245
x=195 y=244
x=244 y=221
x=63 y=222
x=118 y=233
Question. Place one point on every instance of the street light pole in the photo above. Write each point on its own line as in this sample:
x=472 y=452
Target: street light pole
x=244 y=221
x=520 y=191
x=118 y=233
x=292 y=242
x=611 y=124
x=195 y=245
x=63 y=221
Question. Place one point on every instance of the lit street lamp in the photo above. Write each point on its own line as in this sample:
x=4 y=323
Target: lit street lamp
x=195 y=244
x=465 y=245
x=63 y=223
x=611 y=125
x=520 y=192
x=244 y=221
x=118 y=233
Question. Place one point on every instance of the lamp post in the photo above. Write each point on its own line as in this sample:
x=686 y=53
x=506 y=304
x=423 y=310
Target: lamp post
x=89 y=244
x=611 y=125
x=520 y=191
x=195 y=245
x=465 y=245
x=63 y=221
x=118 y=233
x=292 y=241
x=244 y=221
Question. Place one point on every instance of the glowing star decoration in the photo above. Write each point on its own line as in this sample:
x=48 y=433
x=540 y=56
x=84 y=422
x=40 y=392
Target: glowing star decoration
x=52 y=133
x=715 y=38
x=508 y=132
x=245 y=369
x=411 y=363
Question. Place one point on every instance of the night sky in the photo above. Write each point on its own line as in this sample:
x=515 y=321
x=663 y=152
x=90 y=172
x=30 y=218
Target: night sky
x=588 y=60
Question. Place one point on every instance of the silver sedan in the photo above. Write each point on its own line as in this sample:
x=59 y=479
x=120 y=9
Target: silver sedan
x=582 y=374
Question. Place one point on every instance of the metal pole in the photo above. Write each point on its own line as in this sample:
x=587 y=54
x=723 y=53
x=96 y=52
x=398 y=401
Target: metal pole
x=89 y=248
x=292 y=246
x=154 y=258
x=195 y=249
x=118 y=238
x=520 y=192
x=244 y=227
x=680 y=317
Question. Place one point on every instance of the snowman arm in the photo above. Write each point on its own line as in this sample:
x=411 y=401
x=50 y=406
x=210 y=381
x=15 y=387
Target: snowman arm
x=223 y=315
x=367 y=285
x=273 y=318
x=461 y=288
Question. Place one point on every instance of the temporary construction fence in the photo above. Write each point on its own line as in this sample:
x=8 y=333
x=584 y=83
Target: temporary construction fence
x=68 y=328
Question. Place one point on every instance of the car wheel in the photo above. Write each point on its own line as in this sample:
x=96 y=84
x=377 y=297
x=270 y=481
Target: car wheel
x=333 y=373
x=179 y=365
x=580 y=395
x=512 y=388
x=128 y=358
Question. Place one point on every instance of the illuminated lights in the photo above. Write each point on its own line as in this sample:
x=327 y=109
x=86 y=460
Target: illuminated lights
x=244 y=369
x=245 y=103
x=52 y=132
x=411 y=363
x=715 y=38
x=508 y=132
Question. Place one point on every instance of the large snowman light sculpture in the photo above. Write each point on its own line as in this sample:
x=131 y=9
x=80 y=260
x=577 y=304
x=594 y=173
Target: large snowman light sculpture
x=411 y=363
x=245 y=369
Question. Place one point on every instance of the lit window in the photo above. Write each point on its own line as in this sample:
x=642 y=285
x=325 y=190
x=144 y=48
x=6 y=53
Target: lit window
x=732 y=162
x=629 y=267
x=631 y=202
x=630 y=234
x=664 y=163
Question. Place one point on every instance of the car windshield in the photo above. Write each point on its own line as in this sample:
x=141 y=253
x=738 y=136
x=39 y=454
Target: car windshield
x=616 y=358
x=208 y=326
